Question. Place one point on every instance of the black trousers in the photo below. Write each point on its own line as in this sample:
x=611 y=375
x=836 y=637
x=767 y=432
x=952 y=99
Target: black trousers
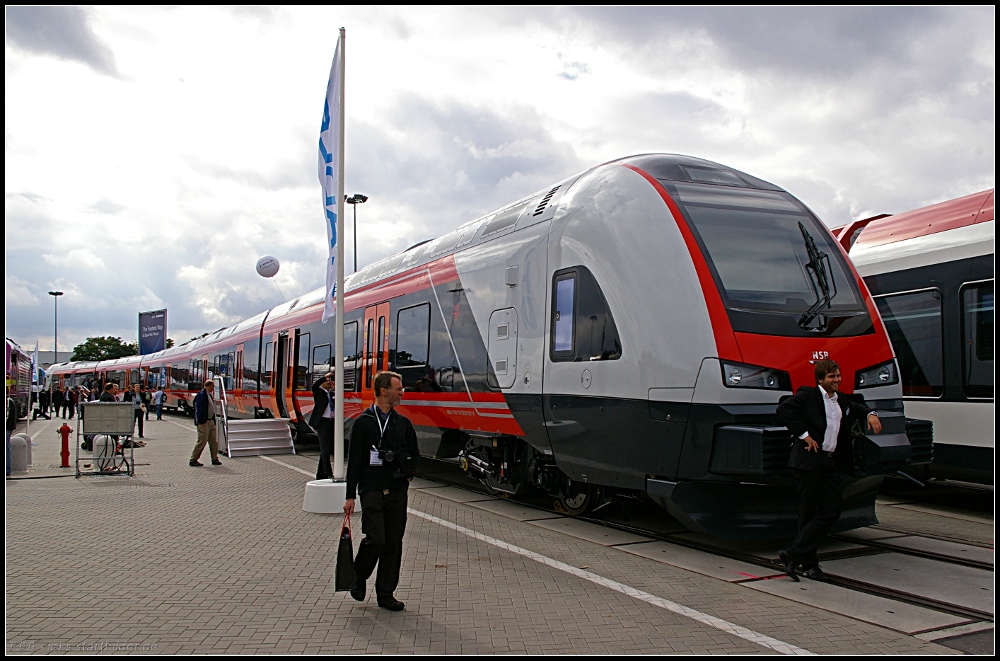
x=820 y=493
x=383 y=522
x=325 y=431
x=138 y=417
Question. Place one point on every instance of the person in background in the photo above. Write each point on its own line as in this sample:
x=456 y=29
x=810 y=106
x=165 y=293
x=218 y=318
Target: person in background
x=110 y=392
x=158 y=398
x=135 y=397
x=11 y=422
x=204 y=421
x=57 y=400
x=147 y=402
x=73 y=399
x=67 y=402
x=322 y=421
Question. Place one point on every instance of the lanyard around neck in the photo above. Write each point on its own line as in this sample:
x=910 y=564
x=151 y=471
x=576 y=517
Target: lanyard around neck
x=381 y=427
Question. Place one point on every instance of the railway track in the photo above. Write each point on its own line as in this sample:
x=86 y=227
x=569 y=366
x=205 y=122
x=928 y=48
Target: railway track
x=451 y=475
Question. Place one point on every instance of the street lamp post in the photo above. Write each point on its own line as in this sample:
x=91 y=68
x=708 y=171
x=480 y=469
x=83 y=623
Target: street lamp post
x=55 y=329
x=354 y=201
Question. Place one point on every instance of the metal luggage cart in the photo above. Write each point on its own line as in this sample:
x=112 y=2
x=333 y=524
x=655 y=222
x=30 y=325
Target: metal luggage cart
x=108 y=426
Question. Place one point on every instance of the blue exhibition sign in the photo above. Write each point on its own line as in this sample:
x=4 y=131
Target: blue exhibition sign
x=152 y=331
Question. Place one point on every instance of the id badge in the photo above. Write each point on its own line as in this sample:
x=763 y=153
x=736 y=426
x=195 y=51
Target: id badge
x=374 y=459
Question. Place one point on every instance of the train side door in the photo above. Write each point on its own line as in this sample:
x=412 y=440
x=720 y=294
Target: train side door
x=281 y=374
x=376 y=348
x=298 y=366
x=238 y=389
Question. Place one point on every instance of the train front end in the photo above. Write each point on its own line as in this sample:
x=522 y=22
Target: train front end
x=780 y=295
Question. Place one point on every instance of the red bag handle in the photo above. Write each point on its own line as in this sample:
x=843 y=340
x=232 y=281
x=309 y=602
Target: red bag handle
x=347 y=524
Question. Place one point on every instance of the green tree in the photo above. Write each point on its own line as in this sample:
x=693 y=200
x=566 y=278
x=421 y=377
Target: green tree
x=170 y=342
x=104 y=348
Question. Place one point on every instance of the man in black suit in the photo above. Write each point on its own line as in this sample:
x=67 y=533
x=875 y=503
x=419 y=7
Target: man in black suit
x=821 y=418
x=322 y=420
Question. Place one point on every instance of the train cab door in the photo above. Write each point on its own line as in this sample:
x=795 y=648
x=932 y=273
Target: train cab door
x=281 y=374
x=376 y=348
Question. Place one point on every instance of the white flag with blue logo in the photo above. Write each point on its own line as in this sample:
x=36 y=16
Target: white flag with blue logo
x=330 y=140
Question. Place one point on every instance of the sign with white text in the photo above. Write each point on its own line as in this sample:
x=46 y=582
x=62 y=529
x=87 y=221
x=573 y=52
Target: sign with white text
x=152 y=331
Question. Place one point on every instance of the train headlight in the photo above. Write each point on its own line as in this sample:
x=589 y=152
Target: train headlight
x=877 y=375
x=738 y=375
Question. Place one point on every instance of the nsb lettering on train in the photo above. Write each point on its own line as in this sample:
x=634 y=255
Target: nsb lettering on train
x=628 y=331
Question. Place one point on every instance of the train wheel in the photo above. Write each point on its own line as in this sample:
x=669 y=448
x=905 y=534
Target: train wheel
x=586 y=499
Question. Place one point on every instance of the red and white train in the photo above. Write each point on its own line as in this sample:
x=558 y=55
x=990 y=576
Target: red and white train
x=627 y=331
x=931 y=272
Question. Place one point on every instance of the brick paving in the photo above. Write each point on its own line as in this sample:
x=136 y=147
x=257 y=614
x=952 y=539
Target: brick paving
x=182 y=560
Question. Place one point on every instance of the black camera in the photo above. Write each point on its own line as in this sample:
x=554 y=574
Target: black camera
x=387 y=456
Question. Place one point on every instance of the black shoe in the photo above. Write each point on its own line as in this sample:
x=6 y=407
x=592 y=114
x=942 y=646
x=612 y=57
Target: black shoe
x=786 y=560
x=390 y=603
x=358 y=590
x=216 y=462
x=194 y=462
x=816 y=574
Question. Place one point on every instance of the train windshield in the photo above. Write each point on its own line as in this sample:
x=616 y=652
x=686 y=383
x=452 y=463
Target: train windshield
x=776 y=266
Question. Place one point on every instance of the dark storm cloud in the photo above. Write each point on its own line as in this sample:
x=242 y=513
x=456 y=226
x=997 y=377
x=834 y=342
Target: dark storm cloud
x=63 y=32
x=457 y=160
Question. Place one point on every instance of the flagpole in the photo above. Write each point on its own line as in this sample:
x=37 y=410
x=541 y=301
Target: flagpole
x=339 y=469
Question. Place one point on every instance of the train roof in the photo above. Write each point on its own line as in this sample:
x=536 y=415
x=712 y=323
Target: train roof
x=940 y=217
x=948 y=231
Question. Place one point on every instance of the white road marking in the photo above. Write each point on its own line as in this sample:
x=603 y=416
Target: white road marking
x=281 y=463
x=712 y=621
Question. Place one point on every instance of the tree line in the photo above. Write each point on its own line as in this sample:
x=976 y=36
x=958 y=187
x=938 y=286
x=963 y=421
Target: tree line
x=109 y=348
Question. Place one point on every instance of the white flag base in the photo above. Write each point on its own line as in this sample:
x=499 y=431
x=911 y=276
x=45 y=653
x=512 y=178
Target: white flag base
x=327 y=497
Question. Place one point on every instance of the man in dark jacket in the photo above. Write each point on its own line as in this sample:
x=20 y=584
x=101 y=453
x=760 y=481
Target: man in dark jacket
x=322 y=421
x=381 y=462
x=108 y=394
x=820 y=418
x=57 y=401
x=204 y=420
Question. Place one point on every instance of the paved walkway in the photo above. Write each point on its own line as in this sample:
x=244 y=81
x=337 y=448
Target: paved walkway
x=181 y=560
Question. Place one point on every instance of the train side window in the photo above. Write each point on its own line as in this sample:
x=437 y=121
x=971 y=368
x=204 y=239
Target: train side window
x=913 y=321
x=268 y=364
x=977 y=334
x=322 y=360
x=563 y=315
x=302 y=370
x=351 y=356
x=380 y=345
x=369 y=359
x=582 y=323
x=413 y=336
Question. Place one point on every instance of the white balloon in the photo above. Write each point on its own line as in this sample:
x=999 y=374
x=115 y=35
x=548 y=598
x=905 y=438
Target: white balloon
x=267 y=266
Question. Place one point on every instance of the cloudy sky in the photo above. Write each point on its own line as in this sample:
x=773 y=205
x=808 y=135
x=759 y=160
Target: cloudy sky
x=154 y=154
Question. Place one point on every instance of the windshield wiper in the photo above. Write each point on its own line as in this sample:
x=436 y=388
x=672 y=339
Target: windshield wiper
x=821 y=278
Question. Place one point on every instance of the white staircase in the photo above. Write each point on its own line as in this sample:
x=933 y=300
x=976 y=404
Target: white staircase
x=246 y=438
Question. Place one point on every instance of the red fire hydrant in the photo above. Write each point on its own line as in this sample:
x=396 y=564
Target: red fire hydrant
x=65 y=431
